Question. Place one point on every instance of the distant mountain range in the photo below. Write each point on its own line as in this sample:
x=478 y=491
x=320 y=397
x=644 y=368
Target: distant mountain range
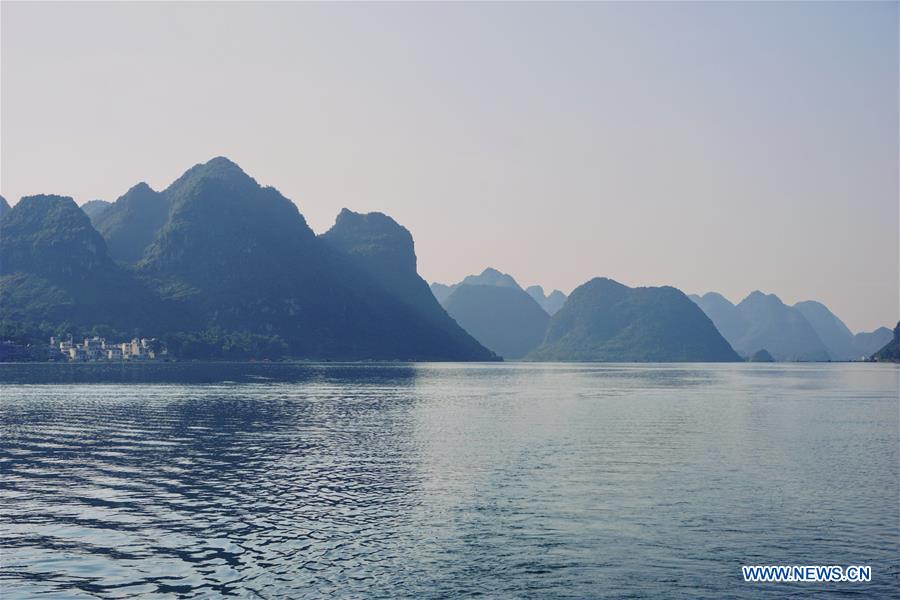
x=552 y=303
x=496 y=311
x=806 y=331
x=93 y=208
x=220 y=266
x=603 y=320
x=132 y=222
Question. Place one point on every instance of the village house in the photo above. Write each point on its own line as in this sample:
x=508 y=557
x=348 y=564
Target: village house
x=98 y=349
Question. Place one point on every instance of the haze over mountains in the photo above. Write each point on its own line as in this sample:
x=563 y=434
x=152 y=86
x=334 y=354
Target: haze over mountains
x=550 y=303
x=496 y=311
x=603 y=320
x=93 y=208
x=221 y=267
x=806 y=331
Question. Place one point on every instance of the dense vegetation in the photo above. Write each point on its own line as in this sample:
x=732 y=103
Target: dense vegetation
x=232 y=272
x=604 y=320
x=132 y=222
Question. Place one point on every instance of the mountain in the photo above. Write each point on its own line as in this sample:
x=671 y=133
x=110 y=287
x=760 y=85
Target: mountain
x=441 y=291
x=891 y=351
x=245 y=255
x=223 y=231
x=763 y=321
x=49 y=235
x=93 y=209
x=131 y=223
x=231 y=270
x=780 y=329
x=605 y=321
x=724 y=314
x=761 y=356
x=504 y=319
x=838 y=339
x=842 y=344
x=495 y=311
x=551 y=303
x=385 y=251
x=867 y=343
x=56 y=268
x=4 y=205
x=491 y=276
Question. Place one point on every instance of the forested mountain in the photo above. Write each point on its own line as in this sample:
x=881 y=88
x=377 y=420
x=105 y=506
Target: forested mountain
x=603 y=320
x=231 y=269
x=384 y=250
x=55 y=269
x=131 y=223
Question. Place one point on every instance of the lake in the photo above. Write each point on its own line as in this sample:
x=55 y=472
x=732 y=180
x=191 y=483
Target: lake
x=440 y=480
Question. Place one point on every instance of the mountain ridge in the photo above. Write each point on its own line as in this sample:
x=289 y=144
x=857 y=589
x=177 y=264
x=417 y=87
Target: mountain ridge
x=233 y=262
x=606 y=321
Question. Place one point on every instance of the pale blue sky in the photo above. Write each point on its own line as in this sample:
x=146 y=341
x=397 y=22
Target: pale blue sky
x=710 y=146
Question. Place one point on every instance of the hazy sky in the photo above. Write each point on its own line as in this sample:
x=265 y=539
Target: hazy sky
x=712 y=146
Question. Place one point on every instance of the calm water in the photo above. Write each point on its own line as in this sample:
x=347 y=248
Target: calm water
x=432 y=481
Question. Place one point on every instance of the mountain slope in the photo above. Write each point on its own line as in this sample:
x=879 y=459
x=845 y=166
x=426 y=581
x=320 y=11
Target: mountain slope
x=93 y=209
x=385 y=251
x=56 y=268
x=491 y=276
x=763 y=321
x=867 y=343
x=891 y=351
x=838 y=339
x=225 y=231
x=441 y=291
x=780 y=329
x=604 y=320
x=232 y=271
x=724 y=314
x=131 y=223
x=246 y=257
x=505 y=319
x=552 y=303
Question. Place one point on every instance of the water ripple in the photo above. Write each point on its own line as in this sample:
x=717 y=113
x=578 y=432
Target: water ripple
x=385 y=481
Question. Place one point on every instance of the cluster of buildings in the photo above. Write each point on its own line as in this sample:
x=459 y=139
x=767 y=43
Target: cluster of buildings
x=97 y=348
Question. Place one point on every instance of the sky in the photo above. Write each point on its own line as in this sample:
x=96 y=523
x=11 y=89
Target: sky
x=727 y=146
